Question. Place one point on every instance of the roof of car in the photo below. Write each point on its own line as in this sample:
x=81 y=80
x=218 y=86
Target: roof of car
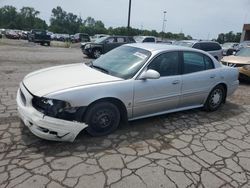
x=157 y=47
x=195 y=41
x=144 y=36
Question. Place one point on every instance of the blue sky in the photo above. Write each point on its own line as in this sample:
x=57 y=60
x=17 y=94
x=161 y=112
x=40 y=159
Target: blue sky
x=199 y=18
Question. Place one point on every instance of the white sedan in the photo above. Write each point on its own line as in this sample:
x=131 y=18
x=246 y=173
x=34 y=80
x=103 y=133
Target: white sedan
x=130 y=82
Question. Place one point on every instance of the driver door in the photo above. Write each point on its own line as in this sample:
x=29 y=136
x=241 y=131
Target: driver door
x=152 y=96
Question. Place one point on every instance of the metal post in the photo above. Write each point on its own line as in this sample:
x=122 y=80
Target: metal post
x=129 y=12
x=163 y=23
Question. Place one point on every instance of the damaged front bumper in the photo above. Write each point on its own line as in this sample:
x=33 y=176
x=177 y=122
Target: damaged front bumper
x=44 y=126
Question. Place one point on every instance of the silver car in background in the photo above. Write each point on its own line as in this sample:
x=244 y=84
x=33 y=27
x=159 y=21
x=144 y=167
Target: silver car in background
x=211 y=47
x=130 y=82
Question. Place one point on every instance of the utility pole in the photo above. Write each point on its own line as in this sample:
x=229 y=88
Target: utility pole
x=163 y=24
x=129 y=12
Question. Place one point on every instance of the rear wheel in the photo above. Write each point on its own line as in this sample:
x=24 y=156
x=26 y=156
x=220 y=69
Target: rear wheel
x=102 y=118
x=215 y=98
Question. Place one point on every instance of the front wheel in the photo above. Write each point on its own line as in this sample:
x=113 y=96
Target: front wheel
x=96 y=53
x=215 y=98
x=102 y=118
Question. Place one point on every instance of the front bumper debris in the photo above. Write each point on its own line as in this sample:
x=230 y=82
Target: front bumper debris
x=45 y=127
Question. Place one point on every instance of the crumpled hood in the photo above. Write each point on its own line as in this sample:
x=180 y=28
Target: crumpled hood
x=236 y=59
x=49 y=80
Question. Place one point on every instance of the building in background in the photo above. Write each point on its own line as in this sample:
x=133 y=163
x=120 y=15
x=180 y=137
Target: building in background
x=245 y=33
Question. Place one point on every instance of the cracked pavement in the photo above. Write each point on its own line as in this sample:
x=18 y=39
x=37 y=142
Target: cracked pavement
x=185 y=149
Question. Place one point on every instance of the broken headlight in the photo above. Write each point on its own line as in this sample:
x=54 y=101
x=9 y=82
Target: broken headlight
x=54 y=108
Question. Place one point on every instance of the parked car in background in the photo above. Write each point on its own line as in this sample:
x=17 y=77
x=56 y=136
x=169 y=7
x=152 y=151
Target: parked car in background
x=211 y=47
x=104 y=45
x=39 y=36
x=24 y=35
x=2 y=31
x=63 y=37
x=142 y=39
x=240 y=60
x=97 y=36
x=166 y=41
x=130 y=82
x=229 y=48
x=243 y=45
x=11 y=34
x=72 y=38
x=81 y=37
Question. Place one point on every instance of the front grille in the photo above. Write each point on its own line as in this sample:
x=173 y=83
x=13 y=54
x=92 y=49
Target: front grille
x=22 y=97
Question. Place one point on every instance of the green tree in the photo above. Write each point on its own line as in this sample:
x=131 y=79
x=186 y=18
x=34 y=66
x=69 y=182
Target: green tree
x=8 y=17
x=26 y=19
x=63 y=22
x=228 y=37
x=28 y=15
x=92 y=26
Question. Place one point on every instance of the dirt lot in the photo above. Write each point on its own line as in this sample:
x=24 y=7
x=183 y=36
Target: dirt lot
x=186 y=149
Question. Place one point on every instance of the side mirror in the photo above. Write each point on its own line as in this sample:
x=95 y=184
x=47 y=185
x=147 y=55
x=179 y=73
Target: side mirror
x=150 y=74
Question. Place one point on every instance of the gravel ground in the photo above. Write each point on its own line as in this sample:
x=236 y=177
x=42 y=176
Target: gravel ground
x=186 y=149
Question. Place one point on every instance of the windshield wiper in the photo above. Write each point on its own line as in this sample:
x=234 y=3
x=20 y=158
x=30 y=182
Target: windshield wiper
x=99 y=68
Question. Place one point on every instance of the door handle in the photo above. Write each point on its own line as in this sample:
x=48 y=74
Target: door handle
x=212 y=76
x=176 y=82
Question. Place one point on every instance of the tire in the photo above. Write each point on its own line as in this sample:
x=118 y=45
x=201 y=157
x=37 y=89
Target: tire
x=48 y=43
x=96 y=53
x=102 y=118
x=215 y=98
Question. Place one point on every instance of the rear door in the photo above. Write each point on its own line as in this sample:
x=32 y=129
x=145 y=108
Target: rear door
x=153 y=96
x=199 y=76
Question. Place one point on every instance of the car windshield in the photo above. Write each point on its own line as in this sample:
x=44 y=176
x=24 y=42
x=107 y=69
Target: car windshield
x=183 y=43
x=123 y=62
x=245 y=43
x=244 y=52
x=100 y=40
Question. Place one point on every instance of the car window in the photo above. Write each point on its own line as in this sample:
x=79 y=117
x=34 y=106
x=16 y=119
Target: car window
x=193 y=62
x=210 y=46
x=215 y=46
x=244 y=52
x=111 y=40
x=208 y=62
x=197 y=46
x=120 y=40
x=130 y=39
x=84 y=38
x=205 y=46
x=149 y=39
x=166 y=64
